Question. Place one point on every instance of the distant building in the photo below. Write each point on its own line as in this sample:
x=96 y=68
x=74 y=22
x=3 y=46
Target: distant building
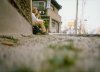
x=49 y=12
x=70 y=29
x=96 y=31
x=80 y=27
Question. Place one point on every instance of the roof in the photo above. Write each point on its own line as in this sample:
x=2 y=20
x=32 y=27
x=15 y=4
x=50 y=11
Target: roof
x=54 y=2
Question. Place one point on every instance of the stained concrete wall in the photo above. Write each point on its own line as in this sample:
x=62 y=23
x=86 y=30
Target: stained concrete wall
x=11 y=21
x=24 y=8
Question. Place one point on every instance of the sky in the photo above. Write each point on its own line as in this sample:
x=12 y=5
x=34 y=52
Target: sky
x=91 y=13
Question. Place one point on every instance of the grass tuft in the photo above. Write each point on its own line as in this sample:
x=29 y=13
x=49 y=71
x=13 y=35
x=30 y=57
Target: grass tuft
x=8 y=40
x=59 y=63
x=1 y=61
x=62 y=61
x=69 y=46
x=23 y=69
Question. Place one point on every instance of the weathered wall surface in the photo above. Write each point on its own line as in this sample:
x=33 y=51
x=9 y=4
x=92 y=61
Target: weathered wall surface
x=24 y=8
x=11 y=21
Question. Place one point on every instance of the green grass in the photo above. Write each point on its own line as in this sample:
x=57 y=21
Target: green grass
x=69 y=46
x=62 y=61
x=59 y=63
x=53 y=46
x=98 y=47
x=9 y=38
x=1 y=61
x=23 y=69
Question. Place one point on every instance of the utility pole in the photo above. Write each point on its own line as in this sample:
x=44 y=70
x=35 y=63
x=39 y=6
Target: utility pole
x=76 y=20
x=82 y=21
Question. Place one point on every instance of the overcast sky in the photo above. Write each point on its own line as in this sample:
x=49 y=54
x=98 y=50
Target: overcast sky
x=91 y=12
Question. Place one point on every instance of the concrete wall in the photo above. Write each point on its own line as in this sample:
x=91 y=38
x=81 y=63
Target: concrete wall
x=24 y=8
x=11 y=21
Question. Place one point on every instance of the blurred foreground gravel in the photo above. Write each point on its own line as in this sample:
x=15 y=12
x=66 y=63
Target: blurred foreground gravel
x=47 y=53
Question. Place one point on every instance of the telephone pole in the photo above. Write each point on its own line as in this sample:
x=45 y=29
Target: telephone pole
x=76 y=19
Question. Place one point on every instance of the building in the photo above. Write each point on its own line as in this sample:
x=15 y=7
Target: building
x=49 y=12
x=70 y=29
x=96 y=31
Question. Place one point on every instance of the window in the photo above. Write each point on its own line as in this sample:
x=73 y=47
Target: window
x=53 y=23
x=39 y=4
